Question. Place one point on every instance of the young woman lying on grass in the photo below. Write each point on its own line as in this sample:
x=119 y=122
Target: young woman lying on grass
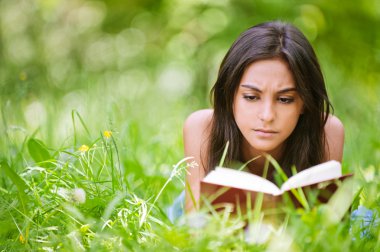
x=269 y=98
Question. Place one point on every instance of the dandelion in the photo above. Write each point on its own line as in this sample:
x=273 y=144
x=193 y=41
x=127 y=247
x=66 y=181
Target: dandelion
x=197 y=220
x=84 y=228
x=22 y=239
x=79 y=195
x=84 y=148
x=23 y=76
x=107 y=134
x=258 y=233
x=64 y=193
x=369 y=173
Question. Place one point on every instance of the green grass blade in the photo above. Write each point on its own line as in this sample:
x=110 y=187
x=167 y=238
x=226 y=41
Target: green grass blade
x=17 y=180
x=38 y=150
x=190 y=192
x=339 y=204
x=258 y=205
x=277 y=167
x=246 y=163
x=122 y=181
x=73 y=113
x=299 y=194
x=224 y=154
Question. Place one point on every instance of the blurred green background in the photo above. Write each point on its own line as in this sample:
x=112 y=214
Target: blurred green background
x=139 y=68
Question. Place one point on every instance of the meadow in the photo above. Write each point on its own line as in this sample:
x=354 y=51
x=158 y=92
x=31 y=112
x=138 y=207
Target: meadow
x=93 y=98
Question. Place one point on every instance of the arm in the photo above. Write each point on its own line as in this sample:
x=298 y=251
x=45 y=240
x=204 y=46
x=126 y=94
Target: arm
x=334 y=131
x=195 y=136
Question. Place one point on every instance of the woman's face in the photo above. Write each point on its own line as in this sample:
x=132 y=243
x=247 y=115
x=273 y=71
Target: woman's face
x=266 y=106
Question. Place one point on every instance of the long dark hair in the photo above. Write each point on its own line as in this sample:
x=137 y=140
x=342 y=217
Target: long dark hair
x=305 y=146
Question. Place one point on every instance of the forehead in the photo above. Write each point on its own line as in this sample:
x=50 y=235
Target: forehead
x=269 y=73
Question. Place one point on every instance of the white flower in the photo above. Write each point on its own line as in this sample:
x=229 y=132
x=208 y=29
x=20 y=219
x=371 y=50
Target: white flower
x=258 y=233
x=64 y=193
x=79 y=195
x=369 y=173
x=196 y=220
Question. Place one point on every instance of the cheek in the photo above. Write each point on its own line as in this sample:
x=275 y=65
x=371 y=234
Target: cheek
x=236 y=109
x=242 y=114
x=290 y=123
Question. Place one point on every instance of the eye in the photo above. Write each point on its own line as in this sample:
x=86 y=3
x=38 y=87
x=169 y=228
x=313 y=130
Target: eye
x=251 y=97
x=285 y=100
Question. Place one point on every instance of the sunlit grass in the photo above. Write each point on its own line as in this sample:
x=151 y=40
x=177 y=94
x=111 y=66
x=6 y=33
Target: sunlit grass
x=91 y=120
x=105 y=183
x=87 y=196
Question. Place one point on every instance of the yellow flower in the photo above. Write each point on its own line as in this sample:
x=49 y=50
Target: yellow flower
x=22 y=239
x=23 y=76
x=107 y=134
x=84 y=228
x=84 y=148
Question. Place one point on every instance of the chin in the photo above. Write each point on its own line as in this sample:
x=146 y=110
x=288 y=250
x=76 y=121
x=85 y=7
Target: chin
x=264 y=148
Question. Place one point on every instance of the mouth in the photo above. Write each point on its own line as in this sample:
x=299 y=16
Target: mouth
x=268 y=131
x=265 y=133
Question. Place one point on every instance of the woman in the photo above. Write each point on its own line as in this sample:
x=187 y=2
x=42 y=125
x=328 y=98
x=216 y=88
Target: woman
x=269 y=98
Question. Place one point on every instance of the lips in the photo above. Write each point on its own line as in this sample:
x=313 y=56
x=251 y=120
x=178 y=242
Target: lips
x=265 y=133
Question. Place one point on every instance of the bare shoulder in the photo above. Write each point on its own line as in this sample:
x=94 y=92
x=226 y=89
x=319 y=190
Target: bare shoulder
x=196 y=131
x=334 y=125
x=334 y=131
x=199 y=118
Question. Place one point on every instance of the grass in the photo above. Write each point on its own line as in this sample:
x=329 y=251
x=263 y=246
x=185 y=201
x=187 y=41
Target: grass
x=95 y=195
x=99 y=176
x=91 y=146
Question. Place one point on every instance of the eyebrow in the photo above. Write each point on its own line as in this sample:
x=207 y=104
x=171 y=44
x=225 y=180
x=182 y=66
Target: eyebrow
x=253 y=87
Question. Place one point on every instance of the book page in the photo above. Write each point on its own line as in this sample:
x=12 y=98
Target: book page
x=241 y=180
x=319 y=173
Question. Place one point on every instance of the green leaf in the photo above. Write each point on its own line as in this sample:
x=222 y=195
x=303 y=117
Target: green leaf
x=341 y=201
x=17 y=181
x=38 y=151
x=358 y=198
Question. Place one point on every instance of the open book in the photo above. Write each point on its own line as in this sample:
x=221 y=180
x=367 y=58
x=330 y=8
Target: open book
x=239 y=181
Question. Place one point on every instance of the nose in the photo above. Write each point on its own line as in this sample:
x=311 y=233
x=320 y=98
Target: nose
x=267 y=113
